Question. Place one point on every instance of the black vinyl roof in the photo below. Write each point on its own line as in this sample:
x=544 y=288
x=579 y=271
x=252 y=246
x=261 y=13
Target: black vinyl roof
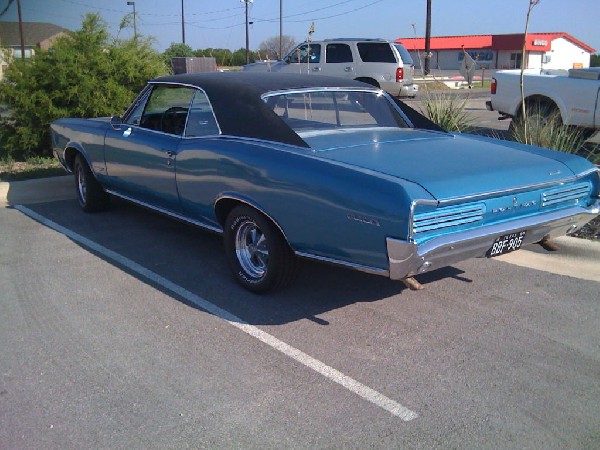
x=240 y=110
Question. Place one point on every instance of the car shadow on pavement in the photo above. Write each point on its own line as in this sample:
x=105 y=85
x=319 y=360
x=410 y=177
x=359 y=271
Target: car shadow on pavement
x=194 y=260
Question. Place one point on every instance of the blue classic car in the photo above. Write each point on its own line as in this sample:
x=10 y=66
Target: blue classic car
x=288 y=166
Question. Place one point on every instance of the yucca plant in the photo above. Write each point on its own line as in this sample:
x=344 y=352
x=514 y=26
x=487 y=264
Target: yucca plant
x=547 y=130
x=447 y=111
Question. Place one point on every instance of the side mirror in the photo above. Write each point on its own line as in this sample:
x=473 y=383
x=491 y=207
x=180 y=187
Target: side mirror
x=116 y=122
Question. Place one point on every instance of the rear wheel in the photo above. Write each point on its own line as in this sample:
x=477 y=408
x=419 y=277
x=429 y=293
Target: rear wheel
x=90 y=194
x=539 y=114
x=257 y=253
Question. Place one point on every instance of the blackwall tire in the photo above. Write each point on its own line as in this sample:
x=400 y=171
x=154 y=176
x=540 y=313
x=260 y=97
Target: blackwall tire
x=90 y=194
x=257 y=253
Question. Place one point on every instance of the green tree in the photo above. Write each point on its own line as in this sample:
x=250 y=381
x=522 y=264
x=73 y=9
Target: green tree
x=175 y=50
x=595 y=60
x=85 y=74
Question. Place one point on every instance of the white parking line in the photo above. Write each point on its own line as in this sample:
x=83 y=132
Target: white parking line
x=332 y=374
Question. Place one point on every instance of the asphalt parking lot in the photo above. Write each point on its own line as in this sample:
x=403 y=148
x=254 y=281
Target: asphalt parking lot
x=125 y=329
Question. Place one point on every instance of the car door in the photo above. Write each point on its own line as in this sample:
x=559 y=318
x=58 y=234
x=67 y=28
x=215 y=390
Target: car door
x=338 y=60
x=141 y=153
x=306 y=58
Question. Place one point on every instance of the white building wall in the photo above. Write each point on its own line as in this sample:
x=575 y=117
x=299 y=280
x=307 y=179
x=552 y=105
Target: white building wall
x=566 y=55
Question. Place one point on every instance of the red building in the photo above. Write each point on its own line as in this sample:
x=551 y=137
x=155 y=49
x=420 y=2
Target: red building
x=503 y=51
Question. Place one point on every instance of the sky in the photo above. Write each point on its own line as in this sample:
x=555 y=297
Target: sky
x=221 y=24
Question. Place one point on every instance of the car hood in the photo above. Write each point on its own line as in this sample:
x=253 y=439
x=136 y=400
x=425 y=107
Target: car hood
x=446 y=165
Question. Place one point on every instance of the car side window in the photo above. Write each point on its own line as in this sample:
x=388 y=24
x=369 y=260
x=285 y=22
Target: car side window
x=376 y=52
x=135 y=115
x=338 y=53
x=305 y=53
x=201 y=119
x=166 y=109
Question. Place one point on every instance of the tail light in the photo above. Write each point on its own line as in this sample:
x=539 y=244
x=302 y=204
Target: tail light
x=493 y=86
x=399 y=74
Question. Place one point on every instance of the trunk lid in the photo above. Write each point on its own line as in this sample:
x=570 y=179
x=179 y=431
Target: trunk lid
x=446 y=165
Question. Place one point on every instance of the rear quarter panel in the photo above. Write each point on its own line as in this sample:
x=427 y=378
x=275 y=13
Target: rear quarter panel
x=327 y=209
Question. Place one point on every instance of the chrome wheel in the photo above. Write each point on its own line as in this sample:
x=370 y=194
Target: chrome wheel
x=81 y=184
x=251 y=249
x=90 y=193
x=257 y=253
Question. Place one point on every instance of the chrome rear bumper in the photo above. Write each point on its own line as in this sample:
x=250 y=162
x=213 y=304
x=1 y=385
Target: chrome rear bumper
x=407 y=258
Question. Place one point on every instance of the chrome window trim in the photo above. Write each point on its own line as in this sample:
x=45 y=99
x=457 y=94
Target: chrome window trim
x=373 y=90
x=145 y=93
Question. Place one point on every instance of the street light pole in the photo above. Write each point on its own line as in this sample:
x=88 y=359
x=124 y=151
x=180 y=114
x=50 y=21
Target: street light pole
x=182 y=24
x=134 y=24
x=280 y=29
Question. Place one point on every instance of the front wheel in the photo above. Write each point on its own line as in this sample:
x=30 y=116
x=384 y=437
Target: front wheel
x=90 y=194
x=257 y=253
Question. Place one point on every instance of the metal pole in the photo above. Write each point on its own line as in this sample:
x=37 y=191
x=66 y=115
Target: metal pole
x=247 y=38
x=428 y=39
x=21 y=30
x=134 y=23
x=280 y=29
x=182 y=24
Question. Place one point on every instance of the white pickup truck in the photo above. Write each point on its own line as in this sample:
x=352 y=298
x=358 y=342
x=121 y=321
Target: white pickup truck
x=575 y=94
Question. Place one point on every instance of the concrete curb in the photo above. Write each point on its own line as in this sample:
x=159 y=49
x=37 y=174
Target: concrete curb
x=37 y=191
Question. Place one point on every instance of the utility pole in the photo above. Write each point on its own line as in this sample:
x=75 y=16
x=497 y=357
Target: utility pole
x=247 y=31
x=21 y=30
x=134 y=24
x=182 y=24
x=428 y=39
x=280 y=29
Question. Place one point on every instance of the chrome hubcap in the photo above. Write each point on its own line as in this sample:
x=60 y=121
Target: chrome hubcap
x=251 y=249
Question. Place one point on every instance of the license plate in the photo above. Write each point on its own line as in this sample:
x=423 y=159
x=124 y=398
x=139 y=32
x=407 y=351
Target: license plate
x=506 y=244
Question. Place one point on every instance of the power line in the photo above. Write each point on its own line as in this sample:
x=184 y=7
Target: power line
x=324 y=17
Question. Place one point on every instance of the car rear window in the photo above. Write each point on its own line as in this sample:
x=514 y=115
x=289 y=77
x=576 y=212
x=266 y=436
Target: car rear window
x=406 y=58
x=334 y=110
x=376 y=52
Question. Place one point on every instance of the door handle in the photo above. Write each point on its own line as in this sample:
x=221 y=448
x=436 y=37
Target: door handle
x=316 y=69
x=348 y=69
x=170 y=154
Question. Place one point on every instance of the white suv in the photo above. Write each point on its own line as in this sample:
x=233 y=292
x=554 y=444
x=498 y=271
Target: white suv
x=375 y=61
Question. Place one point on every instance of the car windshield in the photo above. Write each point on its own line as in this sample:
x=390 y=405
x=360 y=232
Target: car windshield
x=310 y=111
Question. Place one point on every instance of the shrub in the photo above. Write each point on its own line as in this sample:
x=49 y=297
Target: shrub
x=85 y=74
x=447 y=111
x=547 y=130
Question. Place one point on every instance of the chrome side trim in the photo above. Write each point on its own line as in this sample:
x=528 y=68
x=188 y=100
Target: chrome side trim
x=166 y=212
x=349 y=265
x=407 y=258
